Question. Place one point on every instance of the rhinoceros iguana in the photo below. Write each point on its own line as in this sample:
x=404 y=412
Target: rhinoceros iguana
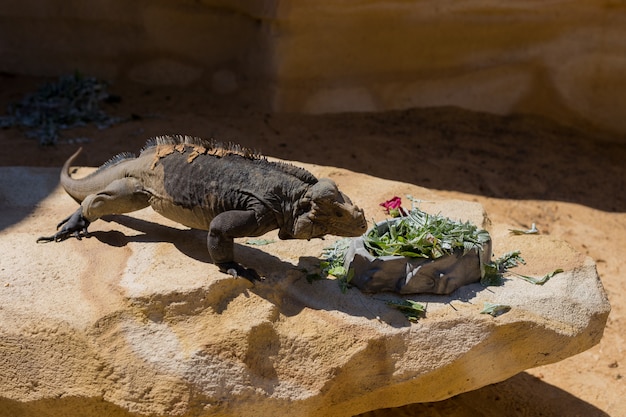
x=228 y=190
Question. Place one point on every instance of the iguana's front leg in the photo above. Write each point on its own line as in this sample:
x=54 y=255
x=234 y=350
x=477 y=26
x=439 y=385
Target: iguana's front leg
x=220 y=241
x=74 y=225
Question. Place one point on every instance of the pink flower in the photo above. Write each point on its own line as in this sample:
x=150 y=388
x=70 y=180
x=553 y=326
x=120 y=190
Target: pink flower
x=393 y=207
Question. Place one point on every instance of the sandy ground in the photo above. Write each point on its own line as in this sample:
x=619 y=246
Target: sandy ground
x=522 y=169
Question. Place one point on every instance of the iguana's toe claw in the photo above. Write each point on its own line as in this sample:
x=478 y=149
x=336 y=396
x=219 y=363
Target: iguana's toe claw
x=74 y=225
x=236 y=270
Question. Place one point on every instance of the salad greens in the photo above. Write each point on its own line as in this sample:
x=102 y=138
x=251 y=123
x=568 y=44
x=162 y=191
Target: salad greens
x=423 y=235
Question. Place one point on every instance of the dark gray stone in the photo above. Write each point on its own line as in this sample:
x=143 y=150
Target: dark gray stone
x=413 y=275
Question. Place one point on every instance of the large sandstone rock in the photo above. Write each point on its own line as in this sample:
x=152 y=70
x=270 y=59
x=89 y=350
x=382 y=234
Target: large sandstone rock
x=136 y=319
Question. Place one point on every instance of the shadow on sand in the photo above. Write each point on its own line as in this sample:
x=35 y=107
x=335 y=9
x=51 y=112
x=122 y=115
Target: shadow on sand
x=519 y=396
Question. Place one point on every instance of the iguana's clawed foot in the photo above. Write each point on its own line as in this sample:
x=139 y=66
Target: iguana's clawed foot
x=236 y=270
x=75 y=225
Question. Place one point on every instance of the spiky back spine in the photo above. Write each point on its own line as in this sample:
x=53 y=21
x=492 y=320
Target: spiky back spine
x=213 y=147
x=170 y=143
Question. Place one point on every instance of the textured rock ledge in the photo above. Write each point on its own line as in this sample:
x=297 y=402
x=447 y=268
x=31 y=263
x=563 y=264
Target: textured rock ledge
x=136 y=319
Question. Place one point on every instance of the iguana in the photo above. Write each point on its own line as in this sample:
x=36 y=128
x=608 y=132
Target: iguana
x=226 y=189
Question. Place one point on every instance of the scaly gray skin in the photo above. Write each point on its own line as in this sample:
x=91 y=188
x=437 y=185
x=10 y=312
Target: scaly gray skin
x=227 y=190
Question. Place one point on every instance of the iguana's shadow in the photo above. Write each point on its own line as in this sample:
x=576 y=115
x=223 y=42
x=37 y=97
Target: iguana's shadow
x=190 y=242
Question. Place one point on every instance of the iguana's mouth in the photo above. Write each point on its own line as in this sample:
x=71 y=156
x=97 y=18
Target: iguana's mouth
x=324 y=210
x=306 y=227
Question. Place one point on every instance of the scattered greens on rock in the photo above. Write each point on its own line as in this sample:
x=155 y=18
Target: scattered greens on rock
x=493 y=272
x=494 y=309
x=333 y=260
x=412 y=310
x=259 y=242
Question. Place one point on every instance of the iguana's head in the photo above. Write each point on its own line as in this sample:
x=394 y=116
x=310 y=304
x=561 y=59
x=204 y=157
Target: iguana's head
x=324 y=210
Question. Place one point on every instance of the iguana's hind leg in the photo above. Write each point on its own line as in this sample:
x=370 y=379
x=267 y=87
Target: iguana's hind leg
x=120 y=196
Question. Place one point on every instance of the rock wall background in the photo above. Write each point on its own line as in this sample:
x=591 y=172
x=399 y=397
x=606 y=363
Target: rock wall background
x=561 y=59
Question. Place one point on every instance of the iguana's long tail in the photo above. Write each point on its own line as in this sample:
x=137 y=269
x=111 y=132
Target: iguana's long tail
x=95 y=182
x=67 y=182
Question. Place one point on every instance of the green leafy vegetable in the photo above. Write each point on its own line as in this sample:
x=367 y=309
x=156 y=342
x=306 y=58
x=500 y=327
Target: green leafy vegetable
x=333 y=257
x=344 y=280
x=333 y=263
x=259 y=242
x=423 y=235
x=337 y=271
x=494 y=271
x=411 y=309
x=494 y=309
x=542 y=280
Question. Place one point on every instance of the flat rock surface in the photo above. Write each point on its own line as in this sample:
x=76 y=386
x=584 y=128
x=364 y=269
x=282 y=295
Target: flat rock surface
x=136 y=318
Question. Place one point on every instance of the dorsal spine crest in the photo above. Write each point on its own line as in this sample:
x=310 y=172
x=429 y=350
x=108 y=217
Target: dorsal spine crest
x=168 y=144
x=203 y=146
